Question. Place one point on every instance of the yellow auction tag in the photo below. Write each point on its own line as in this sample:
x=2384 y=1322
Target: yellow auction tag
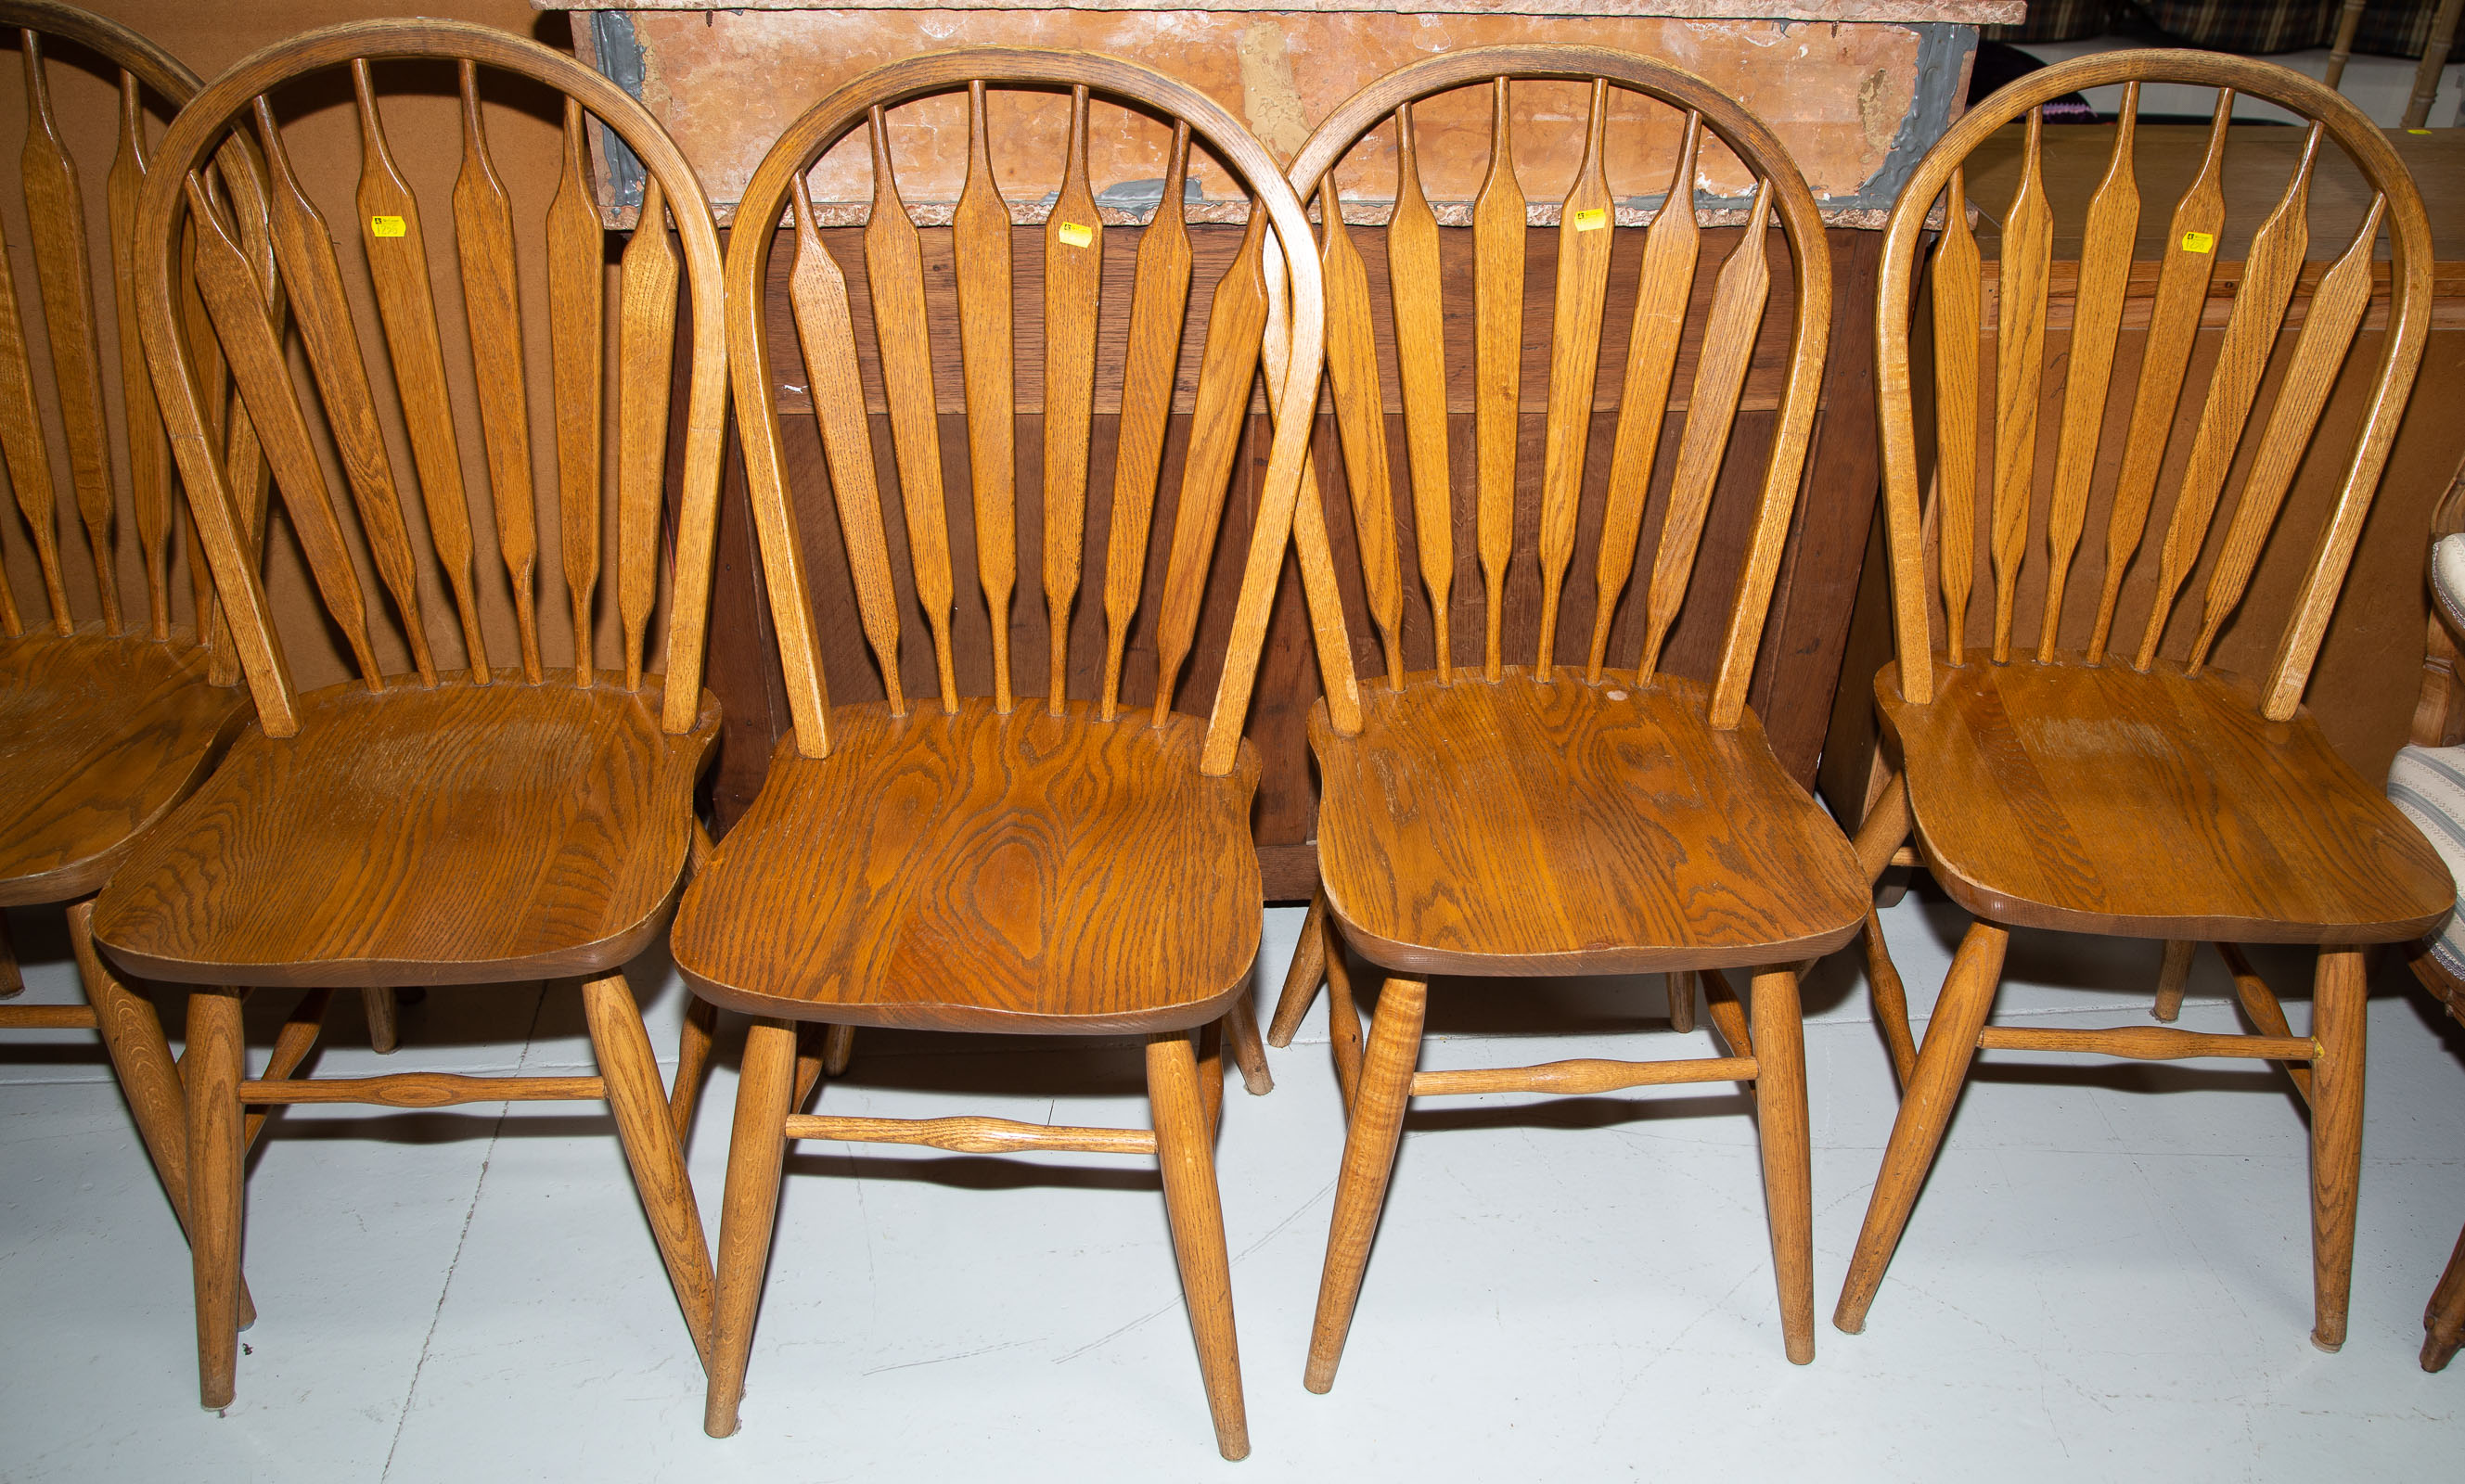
x=384 y=227
x=1075 y=235
x=2417 y=131
x=2198 y=242
x=1591 y=219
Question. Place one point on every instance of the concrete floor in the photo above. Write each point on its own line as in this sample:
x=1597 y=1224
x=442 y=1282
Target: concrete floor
x=2109 y=1275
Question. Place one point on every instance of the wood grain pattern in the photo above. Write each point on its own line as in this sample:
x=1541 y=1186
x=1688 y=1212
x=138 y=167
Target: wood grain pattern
x=397 y=261
x=1157 y=308
x=1497 y=365
x=1374 y=1133
x=893 y=268
x=2269 y=274
x=576 y=282
x=1185 y=1157
x=304 y=862
x=1584 y=1077
x=1952 y=498
x=2097 y=322
x=646 y=338
x=56 y=213
x=980 y=226
x=483 y=239
x=1533 y=828
x=2152 y=805
x=1586 y=225
x=1352 y=374
x=21 y=438
x=1421 y=367
x=2173 y=326
x=1002 y=873
x=2020 y=362
x=1074 y=282
x=2341 y=1026
x=149 y=457
x=969 y=1135
x=99 y=742
x=1670 y=248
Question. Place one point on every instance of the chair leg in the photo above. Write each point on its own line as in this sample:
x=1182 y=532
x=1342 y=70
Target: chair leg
x=1891 y=1000
x=1303 y=975
x=1943 y=1065
x=1368 y=1161
x=2339 y=1026
x=1681 y=989
x=132 y=1033
x=2173 y=972
x=380 y=1007
x=211 y=1074
x=1186 y=1154
x=811 y=1056
x=693 y=1061
x=1788 y=1177
x=2443 y=1321
x=1344 y=1024
x=1210 y=1075
x=13 y=982
x=755 y=1155
x=1241 y=1029
x=634 y=1095
x=838 y=1048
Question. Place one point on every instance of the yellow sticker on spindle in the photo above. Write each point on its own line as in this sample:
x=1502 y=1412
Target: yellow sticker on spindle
x=2198 y=242
x=384 y=227
x=1075 y=234
x=1591 y=218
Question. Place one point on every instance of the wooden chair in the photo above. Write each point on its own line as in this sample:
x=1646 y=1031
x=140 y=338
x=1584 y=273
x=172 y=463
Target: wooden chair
x=2123 y=786
x=477 y=825
x=1007 y=863
x=105 y=724
x=1564 y=817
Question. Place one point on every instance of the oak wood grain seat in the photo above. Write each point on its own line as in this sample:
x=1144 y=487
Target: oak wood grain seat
x=2125 y=786
x=99 y=736
x=1570 y=826
x=1019 y=873
x=450 y=816
x=372 y=847
x=2036 y=793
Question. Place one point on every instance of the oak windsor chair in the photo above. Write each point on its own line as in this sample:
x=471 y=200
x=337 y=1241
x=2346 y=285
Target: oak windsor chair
x=2132 y=789
x=1010 y=863
x=1565 y=817
x=107 y=724
x=446 y=825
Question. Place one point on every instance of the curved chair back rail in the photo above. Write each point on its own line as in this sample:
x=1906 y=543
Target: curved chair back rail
x=1962 y=499
x=1243 y=302
x=1664 y=290
x=249 y=272
x=83 y=371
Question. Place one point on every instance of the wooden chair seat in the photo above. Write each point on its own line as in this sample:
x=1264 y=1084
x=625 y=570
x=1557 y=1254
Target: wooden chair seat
x=982 y=872
x=2099 y=799
x=1563 y=827
x=456 y=835
x=99 y=736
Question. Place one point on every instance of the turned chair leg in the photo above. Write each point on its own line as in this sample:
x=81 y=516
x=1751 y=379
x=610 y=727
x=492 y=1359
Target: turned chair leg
x=13 y=982
x=1241 y=1029
x=1303 y=975
x=756 y=1156
x=1342 y=1023
x=1891 y=1000
x=383 y=1035
x=2173 y=973
x=1209 y=1060
x=838 y=1048
x=693 y=1061
x=2339 y=1025
x=631 y=1075
x=2443 y=1319
x=1779 y=1032
x=211 y=1072
x=1943 y=1065
x=1185 y=1153
x=1681 y=989
x=1368 y=1161
x=809 y=1057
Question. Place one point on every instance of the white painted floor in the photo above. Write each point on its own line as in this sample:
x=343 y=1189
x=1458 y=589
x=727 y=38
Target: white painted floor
x=2109 y=1275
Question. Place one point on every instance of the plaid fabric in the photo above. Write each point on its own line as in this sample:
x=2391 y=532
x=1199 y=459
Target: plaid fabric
x=2390 y=28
